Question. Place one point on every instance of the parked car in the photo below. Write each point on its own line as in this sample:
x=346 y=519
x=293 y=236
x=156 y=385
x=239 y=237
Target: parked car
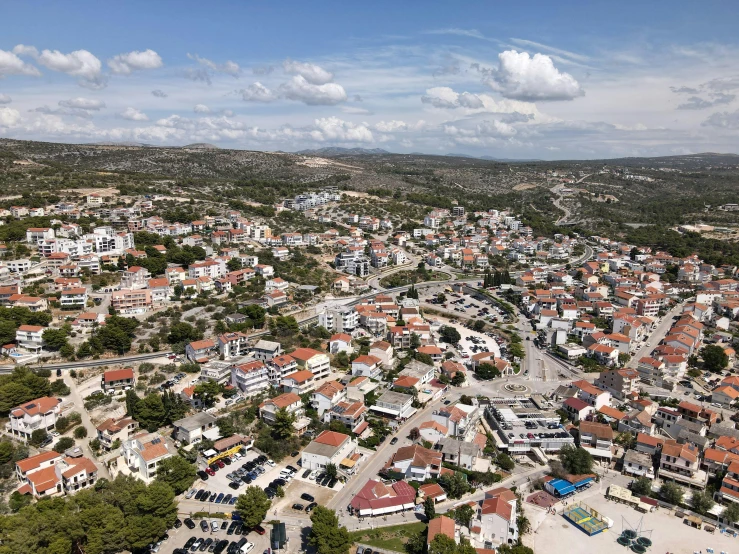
x=308 y=497
x=190 y=524
x=298 y=507
x=394 y=440
x=204 y=526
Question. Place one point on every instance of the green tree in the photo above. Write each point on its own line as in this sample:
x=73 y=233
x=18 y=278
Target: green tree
x=504 y=461
x=226 y=426
x=183 y=332
x=54 y=339
x=450 y=334
x=455 y=485
x=331 y=470
x=514 y=549
x=80 y=432
x=642 y=486
x=714 y=358
x=478 y=325
x=283 y=428
x=253 y=506
x=176 y=472
x=429 y=508
x=731 y=513
x=234 y=264
x=18 y=501
x=575 y=460
x=150 y=412
x=38 y=437
x=464 y=514
x=524 y=525
x=671 y=493
x=487 y=371
x=207 y=392
x=442 y=545
x=702 y=501
x=325 y=535
x=64 y=443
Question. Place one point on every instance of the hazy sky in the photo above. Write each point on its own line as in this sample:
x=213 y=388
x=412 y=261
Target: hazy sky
x=517 y=80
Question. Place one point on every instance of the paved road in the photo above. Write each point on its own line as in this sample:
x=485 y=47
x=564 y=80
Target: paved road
x=656 y=337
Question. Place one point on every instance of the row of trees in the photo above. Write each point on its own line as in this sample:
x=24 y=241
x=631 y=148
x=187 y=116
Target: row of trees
x=155 y=410
x=496 y=278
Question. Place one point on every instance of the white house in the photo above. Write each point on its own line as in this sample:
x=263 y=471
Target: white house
x=327 y=448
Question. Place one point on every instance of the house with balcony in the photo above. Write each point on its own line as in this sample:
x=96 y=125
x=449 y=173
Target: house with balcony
x=288 y=401
x=316 y=362
x=340 y=342
x=459 y=419
x=194 y=428
x=129 y=302
x=351 y=414
x=394 y=404
x=367 y=366
x=416 y=463
x=619 y=382
x=638 y=464
x=250 y=377
x=266 y=350
x=73 y=298
x=495 y=519
x=327 y=396
x=729 y=491
x=592 y=395
x=30 y=338
x=200 y=351
x=135 y=278
x=143 y=453
x=281 y=366
x=39 y=414
x=327 y=448
x=233 y=345
x=300 y=382
x=116 y=429
x=597 y=439
x=47 y=475
x=681 y=463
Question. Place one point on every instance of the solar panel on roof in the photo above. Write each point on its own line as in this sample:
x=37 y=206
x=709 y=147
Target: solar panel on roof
x=156 y=441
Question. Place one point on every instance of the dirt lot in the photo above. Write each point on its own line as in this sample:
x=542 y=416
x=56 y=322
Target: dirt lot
x=667 y=532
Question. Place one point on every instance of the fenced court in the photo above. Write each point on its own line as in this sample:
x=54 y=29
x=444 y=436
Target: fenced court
x=586 y=518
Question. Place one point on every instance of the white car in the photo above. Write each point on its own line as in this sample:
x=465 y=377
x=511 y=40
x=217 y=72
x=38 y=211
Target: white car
x=313 y=475
x=191 y=493
x=248 y=547
x=215 y=525
x=271 y=463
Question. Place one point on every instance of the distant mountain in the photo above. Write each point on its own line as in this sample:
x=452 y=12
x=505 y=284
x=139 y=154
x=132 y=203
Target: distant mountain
x=330 y=151
x=202 y=146
x=138 y=144
x=490 y=158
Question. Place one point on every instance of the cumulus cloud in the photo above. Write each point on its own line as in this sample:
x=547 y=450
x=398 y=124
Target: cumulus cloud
x=159 y=93
x=125 y=64
x=5 y=99
x=523 y=77
x=9 y=117
x=312 y=73
x=132 y=114
x=698 y=103
x=80 y=63
x=335 y=129
x=208 y=67
x=257 y=92
x=11 y=64
x=723 y=120
x=684 y=90
x=298 y=88
x=723 y=84
x=355 y=111
x=74 y=112
x=263 y=69
x=201 y=108
x=82 y=103
x=505 y=109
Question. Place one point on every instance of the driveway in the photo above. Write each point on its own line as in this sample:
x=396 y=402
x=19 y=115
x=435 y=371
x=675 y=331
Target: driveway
x=79 y=406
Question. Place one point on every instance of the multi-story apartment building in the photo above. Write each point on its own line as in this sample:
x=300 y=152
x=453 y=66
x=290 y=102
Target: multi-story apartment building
x=135 y=277
x=251 y=377
x=39 y=414
x=143 y=453
x=232 y=345
x=127 y=301
x=73 y=298
x=112 y=430
x=288 y=401
x=30 y=338
x=619 y=382
x=281 y=366
x=339 y=319
x=318 y=363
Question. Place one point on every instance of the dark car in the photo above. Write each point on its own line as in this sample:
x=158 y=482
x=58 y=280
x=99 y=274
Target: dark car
x=296 y=453
x=227 y=461
x=204 y=526
x=203 y=475
x=394 y=440
x=280 y=482
x=270 y=492
x=298 y=507
x=332 y=483
x=306 y=473
x=190 y=542
x=219 y=497
x=234 y=485
x=309 y=507
x=227 y=498
x=232 y=501
x=220 y=547
x=177 y=523
x=259 y=530
x=246 y=479
x=205 y=496
x=308 y=497
x=291 y=468
x=205 y=545
x=190 y=524
x=213 y=496
x=231 y=528
x=224 y=525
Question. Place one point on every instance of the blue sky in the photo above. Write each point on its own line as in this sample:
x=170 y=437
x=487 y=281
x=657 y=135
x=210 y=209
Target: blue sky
x=529 y=80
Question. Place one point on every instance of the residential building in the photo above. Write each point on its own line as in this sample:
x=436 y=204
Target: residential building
x=118 y=379
x=327 y=448
x=318 y=363
x=130 y=302
x=377 y=498
x=367 y=366
x=233 y=345
x=143 y=453
x=300 y=382
x=288 y=401
x=394 y=404
x=30 y=338
x=251 y=377
x=112 y=430
x=39 y=414
x=194 y=428
x=327 y=396
x=416 y=463
x=199 y=351
x=619 y=382
x=495 y=523
x=266 y=350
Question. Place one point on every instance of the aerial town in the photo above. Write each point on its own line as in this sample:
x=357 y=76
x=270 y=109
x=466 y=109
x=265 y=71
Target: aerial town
x=417 y=386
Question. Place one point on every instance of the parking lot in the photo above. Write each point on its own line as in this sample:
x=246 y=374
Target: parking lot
x=178 y=538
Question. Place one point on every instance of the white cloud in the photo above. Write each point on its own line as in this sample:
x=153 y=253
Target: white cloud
x=335 y=129
x=471 y=33
x=82 y=103
x=298 y=88
x=5 y=99
x=228 y=67
x=391 y=126
x=132 y=114
x=201 y=108
x=159 y=93
x=9 y=117
x=80 y=63
x=698 y=103
x=125 y=64
x=257 y=92
x=312 y=73
x=523 y=77
x=11 y=64
x=355 y=111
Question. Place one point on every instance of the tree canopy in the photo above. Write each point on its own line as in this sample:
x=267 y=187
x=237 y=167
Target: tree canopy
x=253 y=506
x=325 y=535
x=176 y=472
x=576 y=461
